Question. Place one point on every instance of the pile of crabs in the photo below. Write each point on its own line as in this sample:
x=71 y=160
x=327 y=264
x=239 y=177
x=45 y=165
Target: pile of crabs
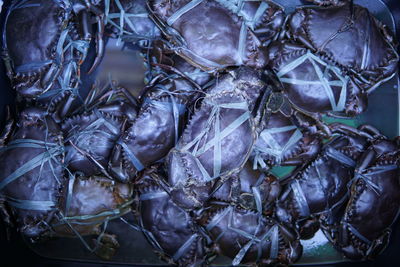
x=233 y=89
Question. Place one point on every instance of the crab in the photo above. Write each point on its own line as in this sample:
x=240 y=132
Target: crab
x=287 y=138
x=248 y=237
x=170 y=230
x=318 y=76
x=234 y=33
x=321 y=186
x=219 y=137
x=373 y=194
x=56 y=35
x=91 y=135
x=157 y=127
x=250 y=189
x=32 y=177
x=88 y=205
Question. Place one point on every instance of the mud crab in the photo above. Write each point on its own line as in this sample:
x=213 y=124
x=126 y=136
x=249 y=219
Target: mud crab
x=170 y=229
x=250 y=238
x=310 y=59
x=322 y=185
x=374 y=190
x=250 y=189
x=156 y=128
x=51 y=71
x=87 y=207
x=234 y=32
x=91 y=135
x=32 y=177
x=219 y=137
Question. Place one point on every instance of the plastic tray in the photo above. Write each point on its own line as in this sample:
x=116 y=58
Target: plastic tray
x=383 y=113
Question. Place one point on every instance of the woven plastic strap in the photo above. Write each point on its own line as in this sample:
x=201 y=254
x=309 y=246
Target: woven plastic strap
x=300 y=198
x=273 y=147
x=357 y=233
x=236 y=6
x=153 y=195
x=323 y=78
x=216 y=141
x=341 y=157
x=68 y=223
x=131 y=156
x=109 y=214
x=192 y=4
x=37 y=205
x=184 y=248
x=367 y=177
x=82 y=135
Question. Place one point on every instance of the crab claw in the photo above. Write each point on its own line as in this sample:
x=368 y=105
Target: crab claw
x=99 y=43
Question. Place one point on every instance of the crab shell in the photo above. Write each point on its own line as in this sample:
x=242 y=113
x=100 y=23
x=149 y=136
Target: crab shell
x=213 y=35
x=322 y=185
x=374 y=194
x=218 y=139
x=96 y=134
x=44 y=50
x=251 y=189
x=350 y=38
x=32 y=177
x=150 y=137
x=93 y=200
x=248 y=237
x=313 y=83
x=170 y=229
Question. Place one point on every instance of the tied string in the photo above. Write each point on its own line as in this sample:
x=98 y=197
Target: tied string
x=219 y=134
x=368 y=177
x=352 y=229
x=268 y=145
x=323 y=78
x=257 y=194
x=272 y=236
x=179 y=44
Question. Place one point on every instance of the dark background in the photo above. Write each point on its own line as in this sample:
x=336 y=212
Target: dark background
x=15 y=252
